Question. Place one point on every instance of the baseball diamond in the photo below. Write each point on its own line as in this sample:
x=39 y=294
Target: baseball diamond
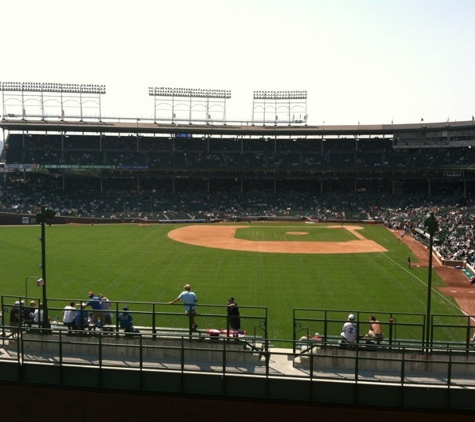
x=223 y=237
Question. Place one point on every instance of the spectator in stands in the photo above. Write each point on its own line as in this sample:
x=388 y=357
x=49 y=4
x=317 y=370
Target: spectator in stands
x=375 y=331
x=349 y=333
x=91 y=325
x=38 y=315
x=81 y=317
x=15 y=319
x=310 y=337
x=96 y=304
x=69 y=316
x=29 y=313
x=126 y=321
x=106 y=313
x=189 y=299
x=234 y=318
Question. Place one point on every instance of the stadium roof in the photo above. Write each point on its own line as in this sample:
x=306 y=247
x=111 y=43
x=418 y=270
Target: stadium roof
x=138 y=126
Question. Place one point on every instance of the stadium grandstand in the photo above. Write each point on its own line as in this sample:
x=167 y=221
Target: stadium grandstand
x=182 y=165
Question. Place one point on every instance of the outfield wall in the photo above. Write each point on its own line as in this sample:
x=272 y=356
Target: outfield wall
x=22 y=401
x=110 y=385
x=405 y=377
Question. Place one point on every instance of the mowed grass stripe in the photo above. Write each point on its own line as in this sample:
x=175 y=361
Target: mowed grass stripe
x=140 y=263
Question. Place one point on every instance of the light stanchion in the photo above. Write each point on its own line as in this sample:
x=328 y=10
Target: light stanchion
x=430 y=226
x=44 y=217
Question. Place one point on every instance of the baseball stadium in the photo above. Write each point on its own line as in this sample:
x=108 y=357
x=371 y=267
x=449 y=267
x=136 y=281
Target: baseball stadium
x=304 y=226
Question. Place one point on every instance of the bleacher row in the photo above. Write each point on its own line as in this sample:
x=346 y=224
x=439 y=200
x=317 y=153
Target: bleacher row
x=232 y=153
x=156 y=342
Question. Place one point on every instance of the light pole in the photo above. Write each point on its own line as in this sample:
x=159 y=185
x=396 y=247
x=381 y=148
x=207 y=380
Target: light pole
x=430 y=226
x=45 y=217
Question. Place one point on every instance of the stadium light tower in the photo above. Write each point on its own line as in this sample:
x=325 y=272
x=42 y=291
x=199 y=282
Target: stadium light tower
x=288 y=101
x=206 y=98
x=430 y=226
x=45 y=92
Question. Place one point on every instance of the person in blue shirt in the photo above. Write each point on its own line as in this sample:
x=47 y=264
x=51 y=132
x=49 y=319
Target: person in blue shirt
x=189 y=300
x=126 y=321
x=96 y=304
x=81 y=318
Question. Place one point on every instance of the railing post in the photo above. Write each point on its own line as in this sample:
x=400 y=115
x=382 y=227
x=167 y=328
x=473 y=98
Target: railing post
x=224 y=360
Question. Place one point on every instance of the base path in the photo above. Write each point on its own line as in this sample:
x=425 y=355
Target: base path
x=223 y=237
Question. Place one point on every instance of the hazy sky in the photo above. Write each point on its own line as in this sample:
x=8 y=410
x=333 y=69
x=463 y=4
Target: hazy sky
x=367 y=61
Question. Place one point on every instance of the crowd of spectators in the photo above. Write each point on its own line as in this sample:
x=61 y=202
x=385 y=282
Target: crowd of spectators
x=218 y=152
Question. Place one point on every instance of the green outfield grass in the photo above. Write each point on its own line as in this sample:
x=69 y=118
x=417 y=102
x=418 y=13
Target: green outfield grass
x=140 y=263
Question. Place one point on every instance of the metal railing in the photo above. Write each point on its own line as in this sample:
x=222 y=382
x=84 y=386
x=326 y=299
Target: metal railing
x=152 y=315
x=246 y=355
x=399 y=328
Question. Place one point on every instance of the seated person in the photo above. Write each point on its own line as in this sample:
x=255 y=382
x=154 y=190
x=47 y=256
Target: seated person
x=81 y=318
x=91 y=325
x=349 y=331
x=375 y=331
x=38 y=315
x=126 y=321
x=29 y=313
x=315 y=337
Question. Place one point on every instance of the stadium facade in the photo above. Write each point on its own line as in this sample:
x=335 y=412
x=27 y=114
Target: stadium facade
x=377 y=161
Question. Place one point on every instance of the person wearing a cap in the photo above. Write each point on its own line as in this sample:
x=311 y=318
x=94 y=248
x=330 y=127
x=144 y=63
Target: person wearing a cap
x=125 y=320
x=96 y=304
x=349 y=332
x=190 y=300
x=234 y=318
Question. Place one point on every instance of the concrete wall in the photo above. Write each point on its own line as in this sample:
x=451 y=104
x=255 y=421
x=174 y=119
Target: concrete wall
x=113 y=393
x=27 y=402
x=134 y=347
x=336 y=358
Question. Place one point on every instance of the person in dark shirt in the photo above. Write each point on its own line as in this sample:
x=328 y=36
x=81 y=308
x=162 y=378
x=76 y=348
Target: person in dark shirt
x=81 y=318
x=234 y=318
x=15 y=319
